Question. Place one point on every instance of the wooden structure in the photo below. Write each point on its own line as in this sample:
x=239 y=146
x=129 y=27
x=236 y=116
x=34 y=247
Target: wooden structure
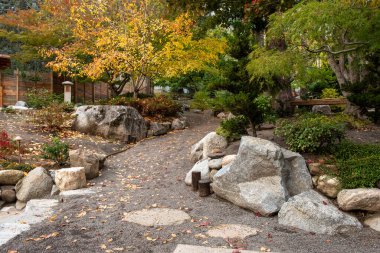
x=325 y=101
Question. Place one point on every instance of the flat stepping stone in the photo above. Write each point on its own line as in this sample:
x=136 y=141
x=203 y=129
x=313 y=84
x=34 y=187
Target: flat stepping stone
x=76 y=193
x=157 y=217
x=183 y=248
x=232 y=231
x=11 y=230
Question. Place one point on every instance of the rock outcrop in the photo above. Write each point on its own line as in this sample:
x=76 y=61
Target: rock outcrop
x=312 y=212
x=262 y=176
x=118 y=122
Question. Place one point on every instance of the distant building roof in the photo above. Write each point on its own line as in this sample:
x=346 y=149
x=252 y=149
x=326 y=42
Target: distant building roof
x=5 y=61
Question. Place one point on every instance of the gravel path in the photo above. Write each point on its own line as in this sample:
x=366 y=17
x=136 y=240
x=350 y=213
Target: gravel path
x=150 y=175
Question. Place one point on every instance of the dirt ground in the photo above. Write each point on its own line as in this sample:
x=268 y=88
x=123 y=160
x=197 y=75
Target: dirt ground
x=151 y=175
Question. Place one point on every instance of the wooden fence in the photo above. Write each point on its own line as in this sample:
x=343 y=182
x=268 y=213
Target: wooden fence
x=13 y=88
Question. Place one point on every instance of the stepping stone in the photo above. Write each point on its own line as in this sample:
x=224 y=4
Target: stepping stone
x=10 y=230
x=183 y=248
x=157 y=217
x=232 y=231
x=77 y=193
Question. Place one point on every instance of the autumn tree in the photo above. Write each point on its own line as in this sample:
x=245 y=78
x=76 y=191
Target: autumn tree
x=116 y=41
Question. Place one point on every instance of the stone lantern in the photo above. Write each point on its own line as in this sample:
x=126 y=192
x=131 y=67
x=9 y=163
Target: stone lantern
x=67 y=91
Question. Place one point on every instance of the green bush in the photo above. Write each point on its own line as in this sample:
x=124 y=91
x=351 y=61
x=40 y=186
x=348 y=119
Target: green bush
x=6 y=165
x=350 y=121
x=159 y=107
x=57 y=151
x=358 y=164
x=329 y=93
x=201 y=101
x=233 y=129
x=41 y=98
x=310 y=133
x=51 y=118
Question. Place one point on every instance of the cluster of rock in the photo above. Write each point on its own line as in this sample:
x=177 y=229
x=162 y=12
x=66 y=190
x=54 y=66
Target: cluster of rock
x=268 y=179
x=123 y=123
x=17 y=186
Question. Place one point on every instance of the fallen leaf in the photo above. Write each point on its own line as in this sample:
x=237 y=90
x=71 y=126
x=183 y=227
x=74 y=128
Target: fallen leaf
x=103 y=246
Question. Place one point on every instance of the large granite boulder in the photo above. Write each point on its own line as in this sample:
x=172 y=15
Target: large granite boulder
x=313 y=212
x=87 y=159
x=201 y=166
x=262 y=176
x=35 y=185
x=70 y=178
x=211 y=143
x=360 y=199
x=10 y=177
x=119 y=122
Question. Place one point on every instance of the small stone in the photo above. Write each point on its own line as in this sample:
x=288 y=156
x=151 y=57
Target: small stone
x=228 y=159
x=157 y=217
x=20 y=205
x=232 y=231
x=373 y=222
x=10 y=177
x=314 y=169
x=70 y=178
x=8 y=194
x=216 y=155
x=328 y=185
x=215 y=164
x=315 y=180
x=54 y=191
x=367 y=199
x=212 y=174
x=323 y=109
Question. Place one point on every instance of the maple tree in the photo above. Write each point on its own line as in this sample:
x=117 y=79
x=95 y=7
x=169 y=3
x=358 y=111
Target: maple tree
x=117 y=42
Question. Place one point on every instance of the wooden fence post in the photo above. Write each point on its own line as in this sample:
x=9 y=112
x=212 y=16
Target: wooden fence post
x=93 y=92
x=17 y=85
x=1 y=89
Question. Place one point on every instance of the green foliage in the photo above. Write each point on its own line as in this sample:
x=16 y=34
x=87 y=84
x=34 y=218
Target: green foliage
x=310 y=133
x=233 y=129
x=41 y=98
x=358 y=164
x=51 y=118
x=57 y=151
x=8 y=110
x=201 y=100
x=329 y=93
x=6 y=165
x=350 y=121
x=264 y=105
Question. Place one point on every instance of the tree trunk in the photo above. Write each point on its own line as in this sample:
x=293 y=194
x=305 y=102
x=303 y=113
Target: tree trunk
x=253 y=127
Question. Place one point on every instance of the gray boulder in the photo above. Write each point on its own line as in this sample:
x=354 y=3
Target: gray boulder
x=215 y=164
x=360 y=199
x=211 y=143
x=36 y=184
x=323 y=109
x=158 y=129
x=119 y=122
x=298 y=178
x=8 y=194
x=70 y=178
x=262 y=176
x=10 y=177
x=201 y=166
x=179 y=124
x=87 y=159
x=313 y=212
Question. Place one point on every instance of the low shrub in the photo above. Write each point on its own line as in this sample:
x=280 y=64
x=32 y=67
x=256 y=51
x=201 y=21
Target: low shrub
x=41 y=98
x=350 y=121
x=6 y=146
x=310 y=133
x=358 y=164
x=9 y=110
x=57 y=151
x=160 y=107
x=51 y=118
x=201 y=101
x=233 y=129
x=6 y=165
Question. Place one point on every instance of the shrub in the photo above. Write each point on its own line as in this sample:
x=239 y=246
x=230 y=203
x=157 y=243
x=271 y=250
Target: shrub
x=310 y=133
x=350 y=121
x=8 y=110
x=233 y=129
x=41 y=98
x=160 y=107
x=16 y=166
x=201 y=101
x=51 y=118
x=57 y=151
x=329 y=93
x=358 y=164
x=6 y=146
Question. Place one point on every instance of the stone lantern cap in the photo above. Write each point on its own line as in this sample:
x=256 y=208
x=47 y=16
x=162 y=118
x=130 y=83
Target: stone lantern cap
x=67 y=83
